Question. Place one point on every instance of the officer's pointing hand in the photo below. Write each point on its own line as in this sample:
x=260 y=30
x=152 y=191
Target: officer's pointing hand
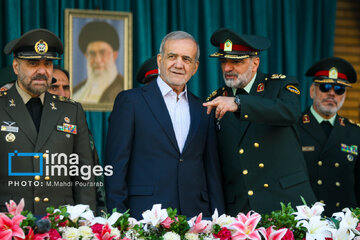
x=222 y=105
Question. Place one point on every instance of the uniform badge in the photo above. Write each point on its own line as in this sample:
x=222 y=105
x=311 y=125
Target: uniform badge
x=225 y=93
x=350 y=157
x=53 y=107
x=12 y=103
x=41 y=47
x=308 y=148
x=10 y=137
x=333 y=73
x=67 y=120
x=293 y=89
x=341 y=121
x=306 y=118
x=67 y=128
x=8 y=127
x=228 y=46
x=353 y=149
x=260 y=87
x=67 y=135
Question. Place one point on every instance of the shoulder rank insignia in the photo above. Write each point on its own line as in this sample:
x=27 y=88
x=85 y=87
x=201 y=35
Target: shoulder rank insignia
x=354 y=123
x=260 y=87
x=306 y=118
x=274 y=76
x=293 y=89
x=213 y=94
x=341 y=121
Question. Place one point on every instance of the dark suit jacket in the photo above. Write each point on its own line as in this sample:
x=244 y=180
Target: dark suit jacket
x=333 y=167
x=148 y=166
x=260 y=150
x=111 y=91
x=27 y=140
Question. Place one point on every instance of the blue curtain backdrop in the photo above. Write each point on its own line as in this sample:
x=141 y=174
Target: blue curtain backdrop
x=301 y=32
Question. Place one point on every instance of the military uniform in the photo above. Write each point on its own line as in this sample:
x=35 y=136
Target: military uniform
x=331 y=152
x=333 y=162
x=259 y=148
x=28 y=154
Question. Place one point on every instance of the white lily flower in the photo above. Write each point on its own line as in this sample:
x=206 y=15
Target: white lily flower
x=316 y=228
x=223 y=221
x=304 y=212
x=155 y=216
x=111 y=220
x=80 y=210
x=342 y=233
x=346 y=218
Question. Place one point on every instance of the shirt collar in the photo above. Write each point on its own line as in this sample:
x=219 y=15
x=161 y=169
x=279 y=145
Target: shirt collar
x=25 y=96
x=248 y=87
x=320 y=119
x=166 y=89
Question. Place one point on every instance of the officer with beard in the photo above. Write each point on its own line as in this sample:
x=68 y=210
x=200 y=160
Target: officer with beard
x=99 y=42
x=37 y=128
x=330 y=142
x=256 y=115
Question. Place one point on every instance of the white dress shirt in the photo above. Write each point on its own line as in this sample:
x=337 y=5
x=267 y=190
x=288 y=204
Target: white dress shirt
x=178 y=107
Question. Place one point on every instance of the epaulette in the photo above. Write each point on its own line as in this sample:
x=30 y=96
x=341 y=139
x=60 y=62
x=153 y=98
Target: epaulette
x=63 y=99
x=277 y=76
x=354 y=123
x=216 y=93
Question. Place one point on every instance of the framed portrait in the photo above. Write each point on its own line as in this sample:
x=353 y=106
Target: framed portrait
x=98 y=56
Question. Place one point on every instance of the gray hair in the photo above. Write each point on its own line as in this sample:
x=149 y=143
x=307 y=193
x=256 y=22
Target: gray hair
x=179 y=35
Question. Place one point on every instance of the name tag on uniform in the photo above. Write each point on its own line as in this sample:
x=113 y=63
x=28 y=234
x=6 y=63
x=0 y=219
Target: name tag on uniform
x=308 y=148
x=68 y=128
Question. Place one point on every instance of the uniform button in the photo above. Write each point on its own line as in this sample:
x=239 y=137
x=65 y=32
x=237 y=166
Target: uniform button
x=5 y=93
x=250 y=193
x=337 y=184
x=37 y=178
x=241 y=151
x=47 y=178
x=320 y=163
x=266 y=79
x=256 y=145
x=245 y=172
x=36 y=156
x=54 y=97
x=181 y=160
x=319 y=182
x=37 y=199
x=246 y=116
x=338 y=204
x=266 y=185
x=261 y=165
x=337 y=164
x=322 y=201
x=44 y=155
x=46 y=200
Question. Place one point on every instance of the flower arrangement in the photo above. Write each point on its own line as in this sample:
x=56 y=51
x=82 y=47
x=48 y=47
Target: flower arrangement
x=79 y=223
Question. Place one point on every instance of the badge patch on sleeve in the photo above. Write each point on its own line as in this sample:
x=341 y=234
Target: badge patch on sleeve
x=293 y=89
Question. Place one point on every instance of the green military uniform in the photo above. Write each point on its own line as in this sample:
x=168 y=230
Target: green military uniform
x=333 y=162
x=28 y=155
x=331 y=152
x=259 y=147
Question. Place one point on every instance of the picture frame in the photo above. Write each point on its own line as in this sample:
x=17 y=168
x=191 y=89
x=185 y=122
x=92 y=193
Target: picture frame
x=98 y=56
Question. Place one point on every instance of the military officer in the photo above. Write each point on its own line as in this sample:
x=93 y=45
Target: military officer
x=330 y=142
x=148 y=71
x=256 y=115
x=45 y=152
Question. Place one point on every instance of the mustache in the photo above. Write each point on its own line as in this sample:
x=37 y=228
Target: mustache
x=231 y=74
x=40 y=77
x=330 y=98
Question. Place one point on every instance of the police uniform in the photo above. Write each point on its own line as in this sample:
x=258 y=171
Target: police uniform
x=333 y=160
x=27 y=155
x=259 y=149
x=148 y=71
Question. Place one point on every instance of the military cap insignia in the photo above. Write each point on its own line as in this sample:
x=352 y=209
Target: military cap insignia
x=293 y=89
x=333 y=73
x=341 y=121
x=41 y=47
x=260 y=87
x=306 y=118
x=228 y=46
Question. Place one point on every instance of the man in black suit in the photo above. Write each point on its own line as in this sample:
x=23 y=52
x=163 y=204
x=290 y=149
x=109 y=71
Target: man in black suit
x=161 y=143
x=256 y=114
x=330 y=142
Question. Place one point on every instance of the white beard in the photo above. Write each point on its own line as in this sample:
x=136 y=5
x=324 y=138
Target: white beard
x=241 y=81
x=96 y=84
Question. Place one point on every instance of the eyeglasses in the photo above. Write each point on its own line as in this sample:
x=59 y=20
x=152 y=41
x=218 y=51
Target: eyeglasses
x=338 y=89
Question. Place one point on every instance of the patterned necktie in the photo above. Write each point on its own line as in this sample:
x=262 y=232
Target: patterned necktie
x=35 y=107
x=326 y=125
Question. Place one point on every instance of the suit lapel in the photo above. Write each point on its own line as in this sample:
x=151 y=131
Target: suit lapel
x=156 y=103
x=313 y=127
x=195 y=115
x=49 y=119
x=21 y=115
x=336 y=133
